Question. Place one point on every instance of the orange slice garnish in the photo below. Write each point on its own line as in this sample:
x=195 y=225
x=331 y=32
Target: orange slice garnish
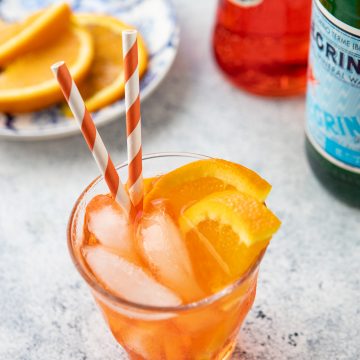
x=225 y=232
x=149 y=184
x=192 y=182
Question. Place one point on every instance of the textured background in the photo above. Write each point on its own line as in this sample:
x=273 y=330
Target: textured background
x=307 y=305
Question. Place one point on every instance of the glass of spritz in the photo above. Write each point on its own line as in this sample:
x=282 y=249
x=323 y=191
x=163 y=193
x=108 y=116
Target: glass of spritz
x=176 y=282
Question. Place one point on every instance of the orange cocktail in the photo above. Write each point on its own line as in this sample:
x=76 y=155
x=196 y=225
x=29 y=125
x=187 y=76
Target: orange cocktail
x=177 y=281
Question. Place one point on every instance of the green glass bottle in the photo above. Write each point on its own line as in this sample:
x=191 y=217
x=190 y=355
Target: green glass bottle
x=333 y=97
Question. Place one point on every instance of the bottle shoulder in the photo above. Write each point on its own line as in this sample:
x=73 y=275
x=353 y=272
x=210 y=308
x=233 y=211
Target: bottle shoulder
x=347 y=11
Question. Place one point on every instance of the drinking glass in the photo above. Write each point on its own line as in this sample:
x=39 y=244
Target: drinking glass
x=204 y=329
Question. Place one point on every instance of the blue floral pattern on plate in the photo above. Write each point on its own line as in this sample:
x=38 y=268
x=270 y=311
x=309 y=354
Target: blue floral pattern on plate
x=156 y=21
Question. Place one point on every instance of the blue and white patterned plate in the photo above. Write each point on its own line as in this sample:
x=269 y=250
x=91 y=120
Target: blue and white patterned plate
x=157 y=23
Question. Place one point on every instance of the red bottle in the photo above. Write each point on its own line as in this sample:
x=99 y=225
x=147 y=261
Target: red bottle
x=262 y=45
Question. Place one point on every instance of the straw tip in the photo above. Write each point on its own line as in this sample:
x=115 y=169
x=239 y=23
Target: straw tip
x=55 y=67
x=129 y=32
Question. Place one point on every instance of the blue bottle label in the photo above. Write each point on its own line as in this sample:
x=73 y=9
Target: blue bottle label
x=333 y=91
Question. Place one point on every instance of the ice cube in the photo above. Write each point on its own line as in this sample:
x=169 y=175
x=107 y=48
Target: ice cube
x=108 y=223
x=110 y=227
x=166 y=254
x=126 y=279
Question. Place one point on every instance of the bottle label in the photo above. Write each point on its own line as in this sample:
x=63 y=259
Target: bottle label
x=246 y=3
x=333 y=92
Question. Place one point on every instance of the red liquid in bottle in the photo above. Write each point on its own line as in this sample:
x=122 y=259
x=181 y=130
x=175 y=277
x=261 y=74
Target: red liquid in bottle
x=263 y=48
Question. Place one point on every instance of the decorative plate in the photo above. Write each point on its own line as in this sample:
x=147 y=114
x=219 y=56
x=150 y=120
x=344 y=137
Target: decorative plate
x=157 y=23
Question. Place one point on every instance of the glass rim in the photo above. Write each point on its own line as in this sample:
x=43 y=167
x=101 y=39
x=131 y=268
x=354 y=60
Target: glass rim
x=98 y=287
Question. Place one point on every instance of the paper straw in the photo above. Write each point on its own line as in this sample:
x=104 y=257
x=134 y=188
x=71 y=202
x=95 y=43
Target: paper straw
x=91 y=135
x=133 y=117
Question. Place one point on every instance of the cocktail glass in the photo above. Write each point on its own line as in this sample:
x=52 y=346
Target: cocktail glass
x=205 y=329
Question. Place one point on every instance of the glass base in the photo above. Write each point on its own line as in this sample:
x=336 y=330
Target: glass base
x=283 y=86
x=263 y=84
x=224 y=355
x=227 y=351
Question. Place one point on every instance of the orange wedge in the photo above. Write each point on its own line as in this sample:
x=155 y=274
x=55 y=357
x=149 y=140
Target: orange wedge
x=27 y=83
x=104 y=84
x=225 y=232
x=149 y=184
x=194 y=181
x=39 y=29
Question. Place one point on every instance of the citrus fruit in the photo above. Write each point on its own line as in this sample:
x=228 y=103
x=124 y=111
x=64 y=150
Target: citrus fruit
x=39 y=29
x=104 y=83
x=149 y=184
x=192 y=182
x=225 y=232
x=27 y=83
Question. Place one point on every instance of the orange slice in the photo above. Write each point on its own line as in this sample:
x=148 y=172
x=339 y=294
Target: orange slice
x=104 y=83
x=225 y=232
x=27 y=83
x=149 y=184
x=182 y=186
x=39 y=29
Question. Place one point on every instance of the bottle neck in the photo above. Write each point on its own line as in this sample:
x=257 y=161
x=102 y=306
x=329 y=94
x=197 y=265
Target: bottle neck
x=347 y=11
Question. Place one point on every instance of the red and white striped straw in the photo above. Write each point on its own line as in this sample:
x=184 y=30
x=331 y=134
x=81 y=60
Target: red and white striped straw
x=133 y=118
x=91 y=135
